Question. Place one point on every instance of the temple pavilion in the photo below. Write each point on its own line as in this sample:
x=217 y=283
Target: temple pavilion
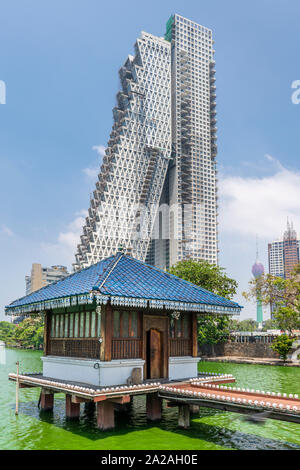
x=121 y=318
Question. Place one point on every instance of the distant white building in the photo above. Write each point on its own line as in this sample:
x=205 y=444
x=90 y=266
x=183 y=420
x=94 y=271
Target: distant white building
x=283 y=254
x=42 y=276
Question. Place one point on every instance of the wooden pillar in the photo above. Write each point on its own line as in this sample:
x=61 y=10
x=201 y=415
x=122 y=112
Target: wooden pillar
x=184 y=416
x=47 y=326
x=108 y=332
x=194 y=409
x=72 y=409
x=194 y=335
x=105 y=415
x=153 y=406
x=47 y=400
x=89 y=407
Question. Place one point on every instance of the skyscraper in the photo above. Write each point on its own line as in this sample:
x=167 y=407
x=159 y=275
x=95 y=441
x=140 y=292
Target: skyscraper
x=156 y=192
x=284 y=254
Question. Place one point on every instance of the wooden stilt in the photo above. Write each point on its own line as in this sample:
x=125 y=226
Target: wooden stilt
x=184 y=416
x=17 y=389
x=46 y=400
x=105 y=415
x=194 y=409
x=153 y=406
x=72 y=409
x=89 y=407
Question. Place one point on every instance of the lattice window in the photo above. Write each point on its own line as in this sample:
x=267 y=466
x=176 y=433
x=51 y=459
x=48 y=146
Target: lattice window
x=75 y=325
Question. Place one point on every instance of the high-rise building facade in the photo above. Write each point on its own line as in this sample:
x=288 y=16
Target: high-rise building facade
x=156 y=194
x=42 y=276
x=284 y=254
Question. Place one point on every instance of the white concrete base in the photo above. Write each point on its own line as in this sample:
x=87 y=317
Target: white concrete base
x=183 y=367
x=90 y=371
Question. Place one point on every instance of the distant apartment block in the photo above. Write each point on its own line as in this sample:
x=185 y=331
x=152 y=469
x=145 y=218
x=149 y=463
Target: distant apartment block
x=284 y=254
x=42 y=276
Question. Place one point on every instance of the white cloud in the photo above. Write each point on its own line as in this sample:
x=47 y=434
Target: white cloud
x=7 y=231
x=92 y=172
x=251 y=206
x=100 y=149
x=65 y=247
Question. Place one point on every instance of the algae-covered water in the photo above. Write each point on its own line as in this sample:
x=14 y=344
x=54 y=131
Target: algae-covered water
x=211 y=429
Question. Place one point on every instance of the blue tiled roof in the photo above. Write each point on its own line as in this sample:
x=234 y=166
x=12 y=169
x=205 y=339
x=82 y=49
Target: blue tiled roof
x=126 y=277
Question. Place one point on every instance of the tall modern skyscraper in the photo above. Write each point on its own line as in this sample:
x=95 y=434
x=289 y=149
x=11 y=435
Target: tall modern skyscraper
x=284 y=254
x=156 y=194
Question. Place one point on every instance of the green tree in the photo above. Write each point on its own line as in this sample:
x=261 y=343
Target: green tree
x=212 y=329
x=6 y=332
x=270 y=324
x=206 y=275
x=287 y=319
x=282 y=344
x=28 y=333
x=283 y=294
x=247 y=325
x=234 y=325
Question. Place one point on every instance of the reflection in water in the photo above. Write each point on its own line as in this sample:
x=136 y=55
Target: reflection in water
x=2 y=354
x=211 y=429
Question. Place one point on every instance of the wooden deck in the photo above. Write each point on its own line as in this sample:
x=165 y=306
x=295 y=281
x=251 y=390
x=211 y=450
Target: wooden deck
x=278 y=406
x=93 y=391
x=207 y=390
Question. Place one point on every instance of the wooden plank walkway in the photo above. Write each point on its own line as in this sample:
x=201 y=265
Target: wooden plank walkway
x=207 y=390
x=277 y=406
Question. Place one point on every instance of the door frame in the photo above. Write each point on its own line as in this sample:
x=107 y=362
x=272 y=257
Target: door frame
x=160 y=323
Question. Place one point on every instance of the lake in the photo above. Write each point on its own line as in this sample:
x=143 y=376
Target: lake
x=211 y=429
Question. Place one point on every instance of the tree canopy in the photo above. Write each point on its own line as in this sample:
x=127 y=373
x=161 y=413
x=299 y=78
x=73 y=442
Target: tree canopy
x=282 y=294
x=29 y=333
x=206 y=275
x=212 y=329
x=282 y=344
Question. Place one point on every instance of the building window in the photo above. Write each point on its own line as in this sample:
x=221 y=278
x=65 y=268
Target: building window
x=125 y=324
x=180 y=328
x=75 y=325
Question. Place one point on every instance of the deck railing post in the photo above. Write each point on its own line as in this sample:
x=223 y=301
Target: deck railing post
x=153 y=406
x=72 y=409
x=17 y=389
x=184 y=416
x=105 y=415
x=47 y=400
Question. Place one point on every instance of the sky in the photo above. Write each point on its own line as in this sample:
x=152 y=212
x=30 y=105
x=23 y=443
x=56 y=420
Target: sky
x=59 y=62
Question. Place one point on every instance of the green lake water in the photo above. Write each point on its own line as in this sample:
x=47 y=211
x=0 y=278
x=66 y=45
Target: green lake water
x=211 y=429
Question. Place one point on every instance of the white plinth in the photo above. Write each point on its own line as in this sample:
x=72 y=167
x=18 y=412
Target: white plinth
x=90 y=371
x=183 y=367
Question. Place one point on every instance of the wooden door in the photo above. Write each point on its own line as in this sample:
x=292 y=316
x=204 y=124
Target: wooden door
x=155 y=346
x=156 y=357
